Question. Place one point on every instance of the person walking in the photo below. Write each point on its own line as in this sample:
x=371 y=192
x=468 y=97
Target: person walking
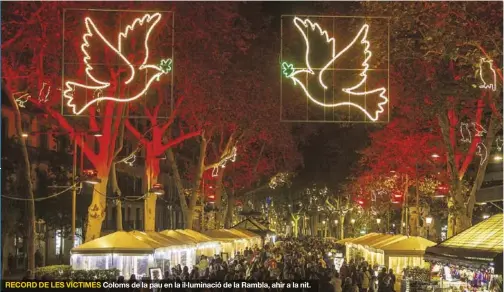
x=366 y=279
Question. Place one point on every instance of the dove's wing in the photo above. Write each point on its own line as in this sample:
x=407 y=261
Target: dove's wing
x=305 y=26
x=94 y=34
x=145 y=25
x=360 y=39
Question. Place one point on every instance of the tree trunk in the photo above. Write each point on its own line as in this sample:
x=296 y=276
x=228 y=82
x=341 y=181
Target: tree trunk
x=229 y=214
x=404 y=211
x=295 y=226
x=180 y=186
x=342 y=225
x=188 y=208
x=460 y=208
x=97 y=209
x=27 y=183
x=151 y=172
x=150 y=212
x=219 y=188
x=117 y=192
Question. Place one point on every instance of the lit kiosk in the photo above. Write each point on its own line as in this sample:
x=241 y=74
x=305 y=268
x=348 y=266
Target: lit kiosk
x=120 y=250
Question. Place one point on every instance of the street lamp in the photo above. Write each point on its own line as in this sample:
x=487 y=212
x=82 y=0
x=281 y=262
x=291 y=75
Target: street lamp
x=497 y=157
x=157 y=189
x=378 y=220
x=336 y=221
x=323 y=222
x=352 y=221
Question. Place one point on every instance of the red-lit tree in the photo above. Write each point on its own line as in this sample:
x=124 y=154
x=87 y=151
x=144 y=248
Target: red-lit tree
x=155 y=142
x=437 y=48
x=36 y=70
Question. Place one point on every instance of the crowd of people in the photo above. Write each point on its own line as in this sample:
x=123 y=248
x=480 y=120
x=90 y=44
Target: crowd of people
x=290 y=260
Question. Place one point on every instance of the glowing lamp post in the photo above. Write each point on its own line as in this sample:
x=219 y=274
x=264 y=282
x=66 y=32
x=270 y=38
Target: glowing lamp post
x=378 y=221
x=428 y=221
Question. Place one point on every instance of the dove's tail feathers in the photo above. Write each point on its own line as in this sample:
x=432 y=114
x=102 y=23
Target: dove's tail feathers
x=73 y=89
x=380 y=104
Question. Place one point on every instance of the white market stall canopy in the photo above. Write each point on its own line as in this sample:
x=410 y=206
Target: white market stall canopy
x=410 y=246
x=117 y=242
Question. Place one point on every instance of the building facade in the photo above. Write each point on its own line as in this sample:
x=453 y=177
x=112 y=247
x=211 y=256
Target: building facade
x=54 y=243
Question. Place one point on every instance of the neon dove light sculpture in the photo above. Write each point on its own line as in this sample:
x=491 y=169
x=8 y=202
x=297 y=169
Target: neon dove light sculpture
x=164 y=67
x=290 y=72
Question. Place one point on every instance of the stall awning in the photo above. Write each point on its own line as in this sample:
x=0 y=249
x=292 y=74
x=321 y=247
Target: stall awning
x=180 y=236
x=199 y=237
x=342 y=241
x=158 y=239
x=475 y=246
x=377 y=239
x=412 y=245
x=223 y=235
x=254 y=226
x=365 y=238
x=245 y=232
x=117 y=242
x=386 y=241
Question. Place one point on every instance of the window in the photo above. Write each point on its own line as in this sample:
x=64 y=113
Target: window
x=59 y=243
x=78 y=236
x=137 y=188
x=44 y=143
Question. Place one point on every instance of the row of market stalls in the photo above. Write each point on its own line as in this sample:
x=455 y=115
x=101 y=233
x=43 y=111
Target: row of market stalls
x=392 y=251
x=471 y=260
x=140 y=253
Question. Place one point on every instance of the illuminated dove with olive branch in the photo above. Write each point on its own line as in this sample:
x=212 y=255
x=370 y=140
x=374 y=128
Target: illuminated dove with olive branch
x=289 y=71
x=148 y=22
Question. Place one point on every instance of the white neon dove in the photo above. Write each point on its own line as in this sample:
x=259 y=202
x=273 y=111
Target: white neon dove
x=149 y=21
x=291 y=73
